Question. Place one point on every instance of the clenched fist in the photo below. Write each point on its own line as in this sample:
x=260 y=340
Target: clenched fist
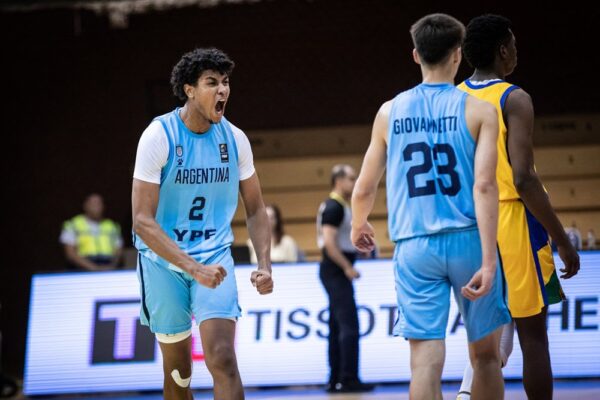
x=209 y=275
x=262 y=281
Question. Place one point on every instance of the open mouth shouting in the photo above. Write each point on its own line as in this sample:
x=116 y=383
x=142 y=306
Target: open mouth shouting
x=220 y=108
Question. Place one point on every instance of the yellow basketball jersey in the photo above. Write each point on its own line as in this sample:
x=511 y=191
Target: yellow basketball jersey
x=496 y=92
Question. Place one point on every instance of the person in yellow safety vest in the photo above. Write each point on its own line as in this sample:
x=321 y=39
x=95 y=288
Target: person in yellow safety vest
x=92 y=242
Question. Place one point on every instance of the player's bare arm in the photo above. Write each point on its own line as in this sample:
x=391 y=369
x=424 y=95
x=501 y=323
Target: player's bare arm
x=519 y=115
x=482 y=120
x=144 y=204
x=260 y=233
x=363 y=196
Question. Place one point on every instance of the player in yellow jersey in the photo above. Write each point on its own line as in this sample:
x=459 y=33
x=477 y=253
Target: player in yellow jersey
x=525 y=213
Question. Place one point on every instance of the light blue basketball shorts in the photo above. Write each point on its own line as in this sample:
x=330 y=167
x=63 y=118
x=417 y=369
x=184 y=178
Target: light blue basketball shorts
x=426 y=267
x=170 y=298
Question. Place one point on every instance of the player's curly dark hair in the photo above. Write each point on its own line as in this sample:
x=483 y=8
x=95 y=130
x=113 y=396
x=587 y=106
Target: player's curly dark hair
x=485 y=34
x=435 y=36
x=192 y=64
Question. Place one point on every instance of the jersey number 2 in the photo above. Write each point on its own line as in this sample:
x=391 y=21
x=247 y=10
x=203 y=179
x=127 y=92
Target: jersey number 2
x=430 y=155
x=195 y=212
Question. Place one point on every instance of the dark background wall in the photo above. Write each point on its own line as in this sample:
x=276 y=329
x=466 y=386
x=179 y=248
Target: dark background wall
x=76 y=95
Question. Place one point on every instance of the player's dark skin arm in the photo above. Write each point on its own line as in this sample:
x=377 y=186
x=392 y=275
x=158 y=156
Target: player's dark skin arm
x=259 y=231
x=518 y=114
x=144 y=204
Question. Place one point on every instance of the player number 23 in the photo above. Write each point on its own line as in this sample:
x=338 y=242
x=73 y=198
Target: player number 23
x=431 y=157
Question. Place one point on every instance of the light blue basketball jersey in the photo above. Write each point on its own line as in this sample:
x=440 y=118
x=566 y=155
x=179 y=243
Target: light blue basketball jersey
x=198 y=189
x=430 y=159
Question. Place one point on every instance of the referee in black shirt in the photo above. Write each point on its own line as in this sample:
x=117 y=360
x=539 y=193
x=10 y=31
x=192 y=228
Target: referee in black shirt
x=337 y=273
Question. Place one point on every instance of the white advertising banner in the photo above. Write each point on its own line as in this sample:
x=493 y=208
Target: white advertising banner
x=84 y=333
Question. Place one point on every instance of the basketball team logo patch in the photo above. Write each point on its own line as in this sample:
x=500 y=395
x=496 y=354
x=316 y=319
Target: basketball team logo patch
x=179 y=154
x=224 y=152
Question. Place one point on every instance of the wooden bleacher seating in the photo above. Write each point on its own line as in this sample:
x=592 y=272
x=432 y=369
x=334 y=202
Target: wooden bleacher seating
x=298 y=185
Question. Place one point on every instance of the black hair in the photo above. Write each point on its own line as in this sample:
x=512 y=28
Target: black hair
x=191 y=65
x=337 y=172
x=435 y=36
x=278 y=223
x=485 y=34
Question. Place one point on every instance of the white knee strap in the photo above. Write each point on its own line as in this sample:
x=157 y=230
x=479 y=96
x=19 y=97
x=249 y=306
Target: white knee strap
x=184 y=383
x=173 y=338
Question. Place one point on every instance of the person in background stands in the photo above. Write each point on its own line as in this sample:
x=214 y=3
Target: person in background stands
x=283 y=247
x=574 y=236
x=591 y=240
x=92 y=242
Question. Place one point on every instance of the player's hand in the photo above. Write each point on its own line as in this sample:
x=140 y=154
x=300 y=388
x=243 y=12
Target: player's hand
x=570 y=258
x=351 y=273
x=209 y=275
x=480 y=284
x=262 y=281
x=363 y=237
x=92 y=266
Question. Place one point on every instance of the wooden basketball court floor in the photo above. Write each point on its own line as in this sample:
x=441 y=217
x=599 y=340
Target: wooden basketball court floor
x=564 y=390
